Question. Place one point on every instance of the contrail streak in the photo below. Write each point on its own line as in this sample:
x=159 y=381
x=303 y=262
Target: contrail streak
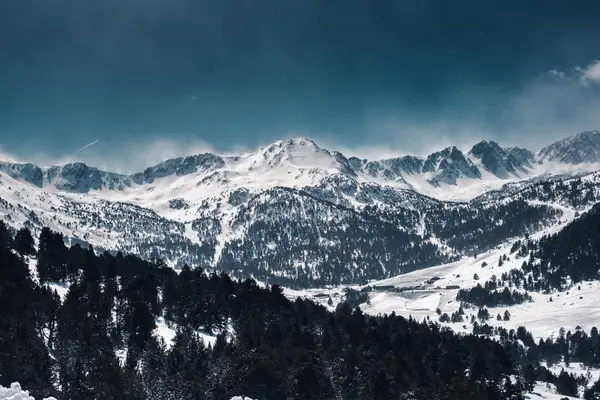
x=86 y=146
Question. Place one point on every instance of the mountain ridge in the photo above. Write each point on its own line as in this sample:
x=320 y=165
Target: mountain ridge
x=295 y=213
x=447 y=167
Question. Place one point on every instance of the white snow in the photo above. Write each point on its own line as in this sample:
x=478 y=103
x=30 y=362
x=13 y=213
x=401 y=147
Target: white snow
x=319 y=296
x=294 y=163
x=577 y=369
x=14 y=392
x=543 y=318
x=168 y=333
x=61 y=288
x=546 y=391
x=164 y=331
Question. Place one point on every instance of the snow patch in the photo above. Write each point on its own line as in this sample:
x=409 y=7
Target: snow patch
x=14 y=392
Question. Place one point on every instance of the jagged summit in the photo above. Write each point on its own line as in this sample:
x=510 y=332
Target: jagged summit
x=292 y=150
x=299 y=154
x=524 y=157
x=581 y=148
x=24 y=172
x=180 y=166
x=319 y=214
x=301 y=162
x=503 y=163
x=81 y=178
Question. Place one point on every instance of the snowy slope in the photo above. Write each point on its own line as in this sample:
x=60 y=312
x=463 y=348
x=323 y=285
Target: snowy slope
x=227 y=212
x=546 y=391
x=14 y=392
x=581 y=148
x=421 y=293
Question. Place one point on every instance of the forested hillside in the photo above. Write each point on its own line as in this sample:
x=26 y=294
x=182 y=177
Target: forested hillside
x=561 y=260
x=99 y=341
x=301 y=216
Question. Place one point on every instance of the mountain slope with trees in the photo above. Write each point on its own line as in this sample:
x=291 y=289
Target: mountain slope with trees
x=296 y=214
x=68 y=347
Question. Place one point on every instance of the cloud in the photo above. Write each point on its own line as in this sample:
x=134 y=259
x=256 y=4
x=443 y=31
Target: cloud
x=126 y=156
x=123 y=156
x=555 y=106
x=6 y=156
x=546 y=108
x=393 y=136
x=589 y=75
x=130 y=156
x=549 y=107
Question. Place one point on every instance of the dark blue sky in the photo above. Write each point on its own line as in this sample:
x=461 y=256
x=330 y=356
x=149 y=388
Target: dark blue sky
x=245 y=72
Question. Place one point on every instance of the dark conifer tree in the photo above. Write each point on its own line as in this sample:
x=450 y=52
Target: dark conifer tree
x=24 y=243
x=23 y=354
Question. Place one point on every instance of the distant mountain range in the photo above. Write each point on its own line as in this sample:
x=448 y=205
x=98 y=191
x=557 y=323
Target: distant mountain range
x=299 y=214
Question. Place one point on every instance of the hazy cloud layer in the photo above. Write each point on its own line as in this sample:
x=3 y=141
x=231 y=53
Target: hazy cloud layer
x=550 y=107
x=372 y=79
x=125 y=157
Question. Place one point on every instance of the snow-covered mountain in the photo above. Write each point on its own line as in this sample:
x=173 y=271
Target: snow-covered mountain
x=503 y=163
x=297 y=213
x=577 y=149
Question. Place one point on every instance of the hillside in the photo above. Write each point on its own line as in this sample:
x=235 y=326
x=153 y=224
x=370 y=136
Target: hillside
x=297 y=214
x=104 y=337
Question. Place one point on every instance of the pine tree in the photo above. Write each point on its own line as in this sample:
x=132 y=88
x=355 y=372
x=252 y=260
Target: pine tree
x=51 y=263
x=566 y=384
x=593 y=393
x=5 y=237
x=23 y=354
x=529 y=377
x=24 y=244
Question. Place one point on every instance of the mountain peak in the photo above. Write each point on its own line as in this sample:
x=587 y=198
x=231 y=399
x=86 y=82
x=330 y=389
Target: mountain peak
x=485 y=145
x=301 y=153
x=501 y=162
x=27 y=172
x=78 y=177
x=586 y=135
x=179 y=167
x=583 y=147
x=291 y=145
x=449 y=165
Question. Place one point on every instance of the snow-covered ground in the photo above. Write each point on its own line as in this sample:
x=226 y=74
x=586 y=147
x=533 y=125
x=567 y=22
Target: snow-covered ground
x=546 y=391
x=577 y=369
x=168 y=331
x=542 y=317
x=15 y=392
x=420 y=293
x=320 y=296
